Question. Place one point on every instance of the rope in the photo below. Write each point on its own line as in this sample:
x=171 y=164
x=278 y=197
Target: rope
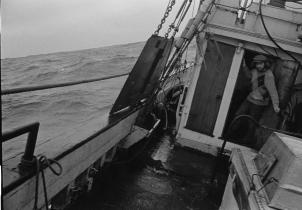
x=49 y=86
x=181 y=13
x=271 y=38
x=251 y=119
x=262 y=126
x=41 y=163
x=271 y=180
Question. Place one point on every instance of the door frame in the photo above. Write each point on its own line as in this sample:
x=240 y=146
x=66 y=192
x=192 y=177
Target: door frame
x=193 y=139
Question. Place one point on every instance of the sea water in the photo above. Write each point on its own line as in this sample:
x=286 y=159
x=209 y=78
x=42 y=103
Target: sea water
x=66 y=110
x=61 y=110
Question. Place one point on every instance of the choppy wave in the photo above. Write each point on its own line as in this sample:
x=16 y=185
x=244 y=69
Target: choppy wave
x=32 y=67
x=59 y=110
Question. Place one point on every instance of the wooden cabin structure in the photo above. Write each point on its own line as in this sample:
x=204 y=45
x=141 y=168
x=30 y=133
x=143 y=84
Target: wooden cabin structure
x=216 y=85
x=213 y=89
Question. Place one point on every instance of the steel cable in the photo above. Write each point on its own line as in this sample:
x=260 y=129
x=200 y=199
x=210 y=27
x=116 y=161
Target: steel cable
x=50 y=86
x=271 y=38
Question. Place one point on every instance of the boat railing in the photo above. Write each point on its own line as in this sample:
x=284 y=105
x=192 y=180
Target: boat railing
x=50 y=86
x=32 y=130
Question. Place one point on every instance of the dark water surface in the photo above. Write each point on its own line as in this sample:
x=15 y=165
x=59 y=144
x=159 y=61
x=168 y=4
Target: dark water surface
x=165 y=177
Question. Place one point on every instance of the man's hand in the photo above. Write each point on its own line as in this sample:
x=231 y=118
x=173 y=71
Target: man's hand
x=277 y=109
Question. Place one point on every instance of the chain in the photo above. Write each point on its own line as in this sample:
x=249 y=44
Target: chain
x=169 y=30
x=163 y=20
x=182 y=12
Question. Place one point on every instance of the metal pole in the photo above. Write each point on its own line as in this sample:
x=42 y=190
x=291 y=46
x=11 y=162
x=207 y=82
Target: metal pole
x=31 y=143
x=27 y=159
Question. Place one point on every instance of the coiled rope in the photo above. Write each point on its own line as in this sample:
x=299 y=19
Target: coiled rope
x=41 y=163
x=50 y=86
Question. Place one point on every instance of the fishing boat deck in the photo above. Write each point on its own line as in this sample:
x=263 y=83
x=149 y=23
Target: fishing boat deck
x=69 y=152
x=167 y=177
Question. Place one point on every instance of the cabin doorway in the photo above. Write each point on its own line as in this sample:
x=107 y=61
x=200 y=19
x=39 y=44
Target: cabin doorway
x=245 y=132
x=210 y=87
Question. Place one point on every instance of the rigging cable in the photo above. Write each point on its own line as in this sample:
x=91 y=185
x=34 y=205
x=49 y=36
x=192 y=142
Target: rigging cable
x=251 y=119
x=182 y=17
x=179 y=52
x=180 y=12
x=50 y=86
x=271 y=38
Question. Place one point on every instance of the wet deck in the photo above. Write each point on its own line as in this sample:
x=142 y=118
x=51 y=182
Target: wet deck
x=166 y=177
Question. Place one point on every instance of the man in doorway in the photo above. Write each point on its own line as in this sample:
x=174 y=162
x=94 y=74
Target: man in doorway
x=263 y=91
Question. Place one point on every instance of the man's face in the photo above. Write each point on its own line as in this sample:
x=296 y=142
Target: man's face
x=260 y=66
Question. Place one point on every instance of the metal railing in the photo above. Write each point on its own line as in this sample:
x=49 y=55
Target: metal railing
x=32 y=130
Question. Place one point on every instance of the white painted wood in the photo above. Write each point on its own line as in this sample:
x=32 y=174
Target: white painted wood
x=185 y=79
x=287 y=170
x=57 y=143
x=228 y=92
x=205 y=143
x=110 y=154
x=192 y=85
x=244 y=164
x=201 y=141
x=138 y=134
x=271 y=48
x=254 y=38
x=198 y=145
x=257 y=200
x=73 y=164
x=282 y=24
x=228 y=201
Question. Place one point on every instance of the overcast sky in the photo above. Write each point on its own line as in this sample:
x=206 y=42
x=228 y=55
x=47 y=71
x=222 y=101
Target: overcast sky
x=42 y=26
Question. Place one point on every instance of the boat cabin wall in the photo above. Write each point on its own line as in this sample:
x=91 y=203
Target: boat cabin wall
x=218 y=88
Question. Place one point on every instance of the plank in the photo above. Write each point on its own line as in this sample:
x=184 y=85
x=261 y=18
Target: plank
x=15 y=147
x=137 y=135
x=73 y=164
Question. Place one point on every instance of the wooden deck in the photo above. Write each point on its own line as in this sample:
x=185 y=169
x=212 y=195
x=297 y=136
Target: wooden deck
x=164 y=176
x=75 y=151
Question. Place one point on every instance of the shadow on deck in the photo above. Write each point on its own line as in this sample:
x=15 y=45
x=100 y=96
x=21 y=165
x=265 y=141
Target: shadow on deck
x=163 y=176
